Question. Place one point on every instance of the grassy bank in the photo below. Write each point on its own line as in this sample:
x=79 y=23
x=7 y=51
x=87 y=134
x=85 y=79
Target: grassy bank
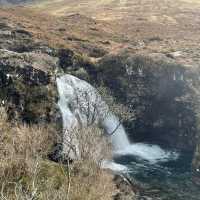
x=27 y=173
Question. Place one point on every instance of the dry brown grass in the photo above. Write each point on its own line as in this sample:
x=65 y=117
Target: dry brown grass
x=92 y=144
x=87 y=182
x=26 y=173
x=88 y=25
x=74 y=31
x=19 y=146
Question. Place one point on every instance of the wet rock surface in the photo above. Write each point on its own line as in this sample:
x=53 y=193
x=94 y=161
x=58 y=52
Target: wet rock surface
x=127 y=190
x=161 y=93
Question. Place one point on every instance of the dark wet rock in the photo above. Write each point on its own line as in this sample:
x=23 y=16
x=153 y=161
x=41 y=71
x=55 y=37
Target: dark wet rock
x=162 y=94
x=127 y=191
x=65 y=58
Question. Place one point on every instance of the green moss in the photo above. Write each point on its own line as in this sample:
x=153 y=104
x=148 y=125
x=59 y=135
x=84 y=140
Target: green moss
x=38 y=101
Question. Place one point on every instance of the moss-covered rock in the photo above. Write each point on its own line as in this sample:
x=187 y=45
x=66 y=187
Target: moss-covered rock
x=27 y=86
x=76 y=64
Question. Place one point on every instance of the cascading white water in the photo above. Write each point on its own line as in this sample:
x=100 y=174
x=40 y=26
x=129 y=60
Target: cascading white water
x=148 y=152
x=65 y=93
x=118 y=136
x=80 y=105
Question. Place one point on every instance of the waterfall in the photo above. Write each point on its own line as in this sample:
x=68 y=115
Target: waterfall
x=65 y=93
x=118 y=135
x=81 y=105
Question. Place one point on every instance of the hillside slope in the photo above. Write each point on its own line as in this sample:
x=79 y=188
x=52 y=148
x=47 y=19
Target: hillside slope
x=142 y=26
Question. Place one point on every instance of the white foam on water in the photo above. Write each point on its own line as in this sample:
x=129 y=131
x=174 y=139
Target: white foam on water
x=148 y=152
x=107 y=164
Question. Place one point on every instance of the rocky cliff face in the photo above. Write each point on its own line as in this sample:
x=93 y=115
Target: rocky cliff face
x=27 y=89
x=26 y=80
x=162 y=94
x=27 y=74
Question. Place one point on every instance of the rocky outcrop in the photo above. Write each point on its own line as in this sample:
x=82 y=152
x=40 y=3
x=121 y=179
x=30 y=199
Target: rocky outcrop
x=26 y=85
x=127 y=190
x=27 y=74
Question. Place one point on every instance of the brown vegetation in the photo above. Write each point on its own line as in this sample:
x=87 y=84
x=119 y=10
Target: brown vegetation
x=92 y=27
x=26 y=173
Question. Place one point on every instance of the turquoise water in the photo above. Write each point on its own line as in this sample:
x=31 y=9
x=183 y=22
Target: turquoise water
x=170 y=180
